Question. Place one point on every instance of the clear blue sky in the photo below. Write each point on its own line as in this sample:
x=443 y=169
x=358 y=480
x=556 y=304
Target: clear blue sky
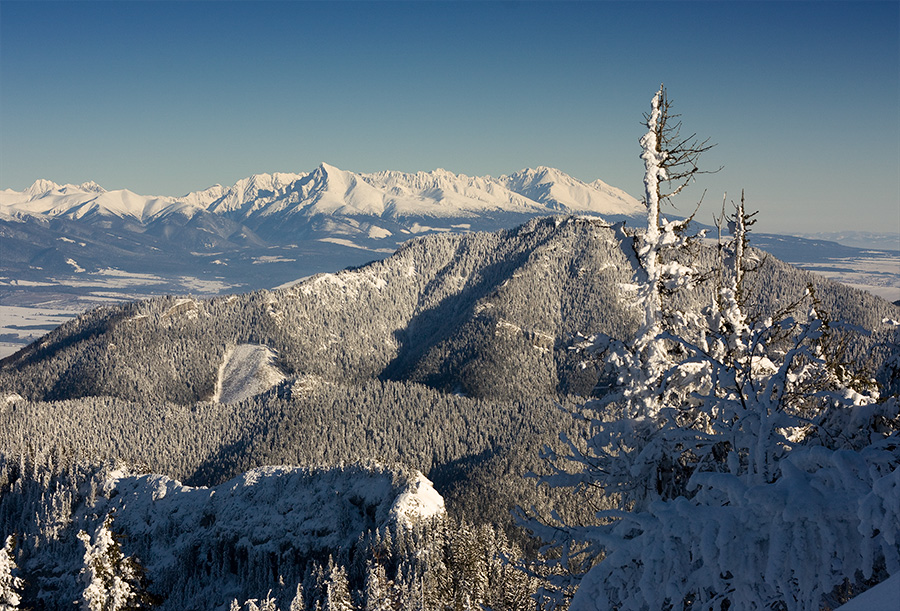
x=163 y=98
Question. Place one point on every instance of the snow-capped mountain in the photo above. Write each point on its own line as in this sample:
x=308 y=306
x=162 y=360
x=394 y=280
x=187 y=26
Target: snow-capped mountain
x=332 y=191
x=81 y=242
x=263 y=231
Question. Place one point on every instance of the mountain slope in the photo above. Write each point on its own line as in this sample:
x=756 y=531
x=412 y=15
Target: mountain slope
x=485 y=314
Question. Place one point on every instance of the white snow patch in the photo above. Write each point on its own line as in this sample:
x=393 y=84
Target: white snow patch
x=883 y=597
x=246 y=371
x=272 y=259
x=78 y=268
x=419 y=501
x=352 y=244
x=377 y=233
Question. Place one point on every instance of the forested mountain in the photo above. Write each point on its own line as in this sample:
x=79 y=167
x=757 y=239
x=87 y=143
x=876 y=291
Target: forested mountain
x=487 y=315
x=453 y=357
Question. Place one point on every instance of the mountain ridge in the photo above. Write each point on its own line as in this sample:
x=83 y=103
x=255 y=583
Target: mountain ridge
x=322 y=190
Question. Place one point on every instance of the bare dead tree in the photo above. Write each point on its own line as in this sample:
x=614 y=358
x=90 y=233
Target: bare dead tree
x=680 y=154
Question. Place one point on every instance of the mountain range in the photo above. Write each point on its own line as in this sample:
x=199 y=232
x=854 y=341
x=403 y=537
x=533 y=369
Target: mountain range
x=69 y=247
x=76 y=246
x=332 y=191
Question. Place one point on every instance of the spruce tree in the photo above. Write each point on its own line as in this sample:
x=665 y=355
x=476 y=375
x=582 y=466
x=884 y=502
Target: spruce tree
x=112 y=581
x=10 y=585
x=751 y=469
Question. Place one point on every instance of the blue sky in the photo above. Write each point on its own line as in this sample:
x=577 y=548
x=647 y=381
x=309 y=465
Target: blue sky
x=163 y=98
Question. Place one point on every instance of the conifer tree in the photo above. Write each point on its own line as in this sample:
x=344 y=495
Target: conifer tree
x=378 y=589
x=10 y=585
x=112 y=581
x=297 y=603
x=337 y=589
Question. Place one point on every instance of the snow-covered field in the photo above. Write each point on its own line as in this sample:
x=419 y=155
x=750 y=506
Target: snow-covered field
x=20 y=326
x=878 y=274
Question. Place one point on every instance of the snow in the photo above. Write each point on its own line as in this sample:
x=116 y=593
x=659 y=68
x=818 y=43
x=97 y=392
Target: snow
x=878 y=274
x=21 y=325
x=883 y=597
x=272 y=259
x=270 y=506
x=419 y=501
x=246 y=371
x=330 y=190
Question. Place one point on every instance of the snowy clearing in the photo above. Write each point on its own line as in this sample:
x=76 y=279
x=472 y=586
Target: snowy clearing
x=247 y=370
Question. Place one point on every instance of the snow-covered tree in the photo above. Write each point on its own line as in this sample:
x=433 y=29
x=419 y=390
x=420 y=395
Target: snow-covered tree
x=750 y=469
x=112 y=581
x=378 y=589
x=10 y=585
x=337 y=589
x=297 y=603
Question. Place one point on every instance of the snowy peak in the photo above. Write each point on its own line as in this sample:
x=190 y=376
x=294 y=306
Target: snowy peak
x=328 y=191
x=40 y=188
x=250 y=194
x=87 y=201
x=204 y=198
x=561 y=192
x=335 y=191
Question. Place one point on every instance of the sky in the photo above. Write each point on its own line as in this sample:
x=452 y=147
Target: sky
x=162 y=98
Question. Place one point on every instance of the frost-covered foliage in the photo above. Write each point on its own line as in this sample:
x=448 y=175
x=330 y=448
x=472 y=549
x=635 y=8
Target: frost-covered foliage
x=112 y=581
x=750 y=468
x=278 y=538
x=10 y=584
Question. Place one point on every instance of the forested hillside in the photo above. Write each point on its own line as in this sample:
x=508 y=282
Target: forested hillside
x=456 y=357
x=489 y=315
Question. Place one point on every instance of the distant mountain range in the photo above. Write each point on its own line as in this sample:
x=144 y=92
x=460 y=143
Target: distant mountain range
x=82 y=243
x=279 y=205
x=75 y=246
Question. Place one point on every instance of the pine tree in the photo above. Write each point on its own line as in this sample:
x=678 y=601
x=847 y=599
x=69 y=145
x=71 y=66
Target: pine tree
x=113 y=582
x=378 y=589
x=297 y=603
x=337 y=589
x=10 y=585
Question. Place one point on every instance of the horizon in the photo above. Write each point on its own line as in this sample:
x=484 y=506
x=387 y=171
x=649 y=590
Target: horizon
x=169 y=98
